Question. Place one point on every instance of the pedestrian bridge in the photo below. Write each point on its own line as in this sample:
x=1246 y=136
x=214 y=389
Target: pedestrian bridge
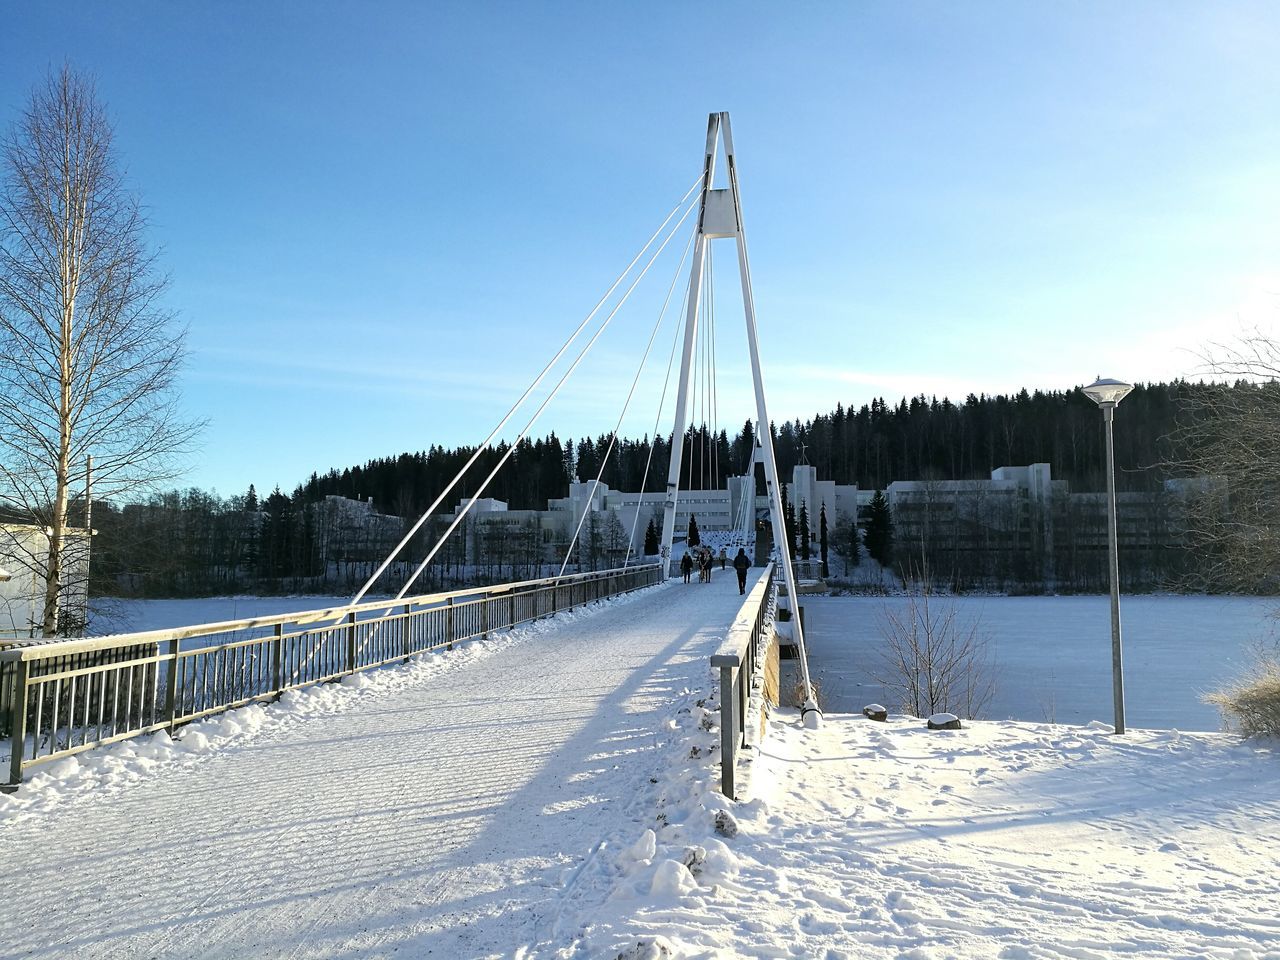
x=430 y=810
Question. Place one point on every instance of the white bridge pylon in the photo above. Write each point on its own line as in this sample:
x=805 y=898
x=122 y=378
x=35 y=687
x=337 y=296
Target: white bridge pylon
x=720 y=218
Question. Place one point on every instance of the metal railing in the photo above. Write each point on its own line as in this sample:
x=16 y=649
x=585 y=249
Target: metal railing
x=740 y=660
x=68 y=696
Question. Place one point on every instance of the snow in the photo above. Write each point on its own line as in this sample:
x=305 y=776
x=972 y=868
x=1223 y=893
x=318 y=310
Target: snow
x=1052 y=655
x=429 y=809
x=552 y=793
x=1004 y=840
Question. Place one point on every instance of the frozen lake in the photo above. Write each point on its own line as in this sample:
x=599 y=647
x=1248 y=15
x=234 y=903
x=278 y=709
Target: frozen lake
x=1052 y=655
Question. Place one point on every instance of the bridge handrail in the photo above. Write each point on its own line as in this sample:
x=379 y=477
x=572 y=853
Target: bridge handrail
x=738 y=659
x=63 y=697
x=38 y=649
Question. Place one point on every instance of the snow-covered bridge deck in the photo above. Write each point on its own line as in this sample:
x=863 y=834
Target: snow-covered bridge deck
x=425 y=810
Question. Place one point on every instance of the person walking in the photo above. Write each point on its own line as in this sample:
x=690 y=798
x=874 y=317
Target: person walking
x=704 y=561
x=724 y=557
x=686 y=566
x=741 y=564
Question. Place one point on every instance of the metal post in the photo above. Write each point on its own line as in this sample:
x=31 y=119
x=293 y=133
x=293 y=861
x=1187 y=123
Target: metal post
x=449 y=631
x=728 y=732
x=277 y=660
x=1117 y=655
x=171 y=686
x=685 y=383
x=405 y=633
x=18 y=722
x=351 y=642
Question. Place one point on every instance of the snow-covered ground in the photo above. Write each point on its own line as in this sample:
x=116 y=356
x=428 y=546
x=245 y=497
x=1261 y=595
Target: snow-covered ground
x=1052 y=655
x=869 y=841
x=551 y=793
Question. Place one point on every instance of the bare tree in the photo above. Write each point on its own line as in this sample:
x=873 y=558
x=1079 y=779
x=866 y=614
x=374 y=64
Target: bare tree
x=934 y=659
x=90 y=355
x=1228 y=449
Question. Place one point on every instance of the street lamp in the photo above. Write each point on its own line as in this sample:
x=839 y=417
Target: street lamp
x=1107 y=394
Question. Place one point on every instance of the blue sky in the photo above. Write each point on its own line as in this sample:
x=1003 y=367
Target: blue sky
x=381 y=218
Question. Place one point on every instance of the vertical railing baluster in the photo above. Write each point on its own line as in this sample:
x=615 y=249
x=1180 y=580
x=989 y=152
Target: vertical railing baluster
x=171 y=686
x=18 y=721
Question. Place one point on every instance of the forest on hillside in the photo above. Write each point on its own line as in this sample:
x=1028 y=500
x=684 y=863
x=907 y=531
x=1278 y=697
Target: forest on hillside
x=920 y=438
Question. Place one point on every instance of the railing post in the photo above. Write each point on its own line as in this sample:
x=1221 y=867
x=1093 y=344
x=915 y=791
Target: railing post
x=171 y=686
x=728 y=732
x=406 y=633
x=277 y=660
x=488 y=600
x=512 y=622
x=18 y=722
x=351 y=642
x=449 y=631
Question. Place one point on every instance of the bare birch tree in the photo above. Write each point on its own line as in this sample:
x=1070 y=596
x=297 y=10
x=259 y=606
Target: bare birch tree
x=89 y=355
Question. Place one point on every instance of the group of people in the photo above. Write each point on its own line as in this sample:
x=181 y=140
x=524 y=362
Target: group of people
x=704 y=559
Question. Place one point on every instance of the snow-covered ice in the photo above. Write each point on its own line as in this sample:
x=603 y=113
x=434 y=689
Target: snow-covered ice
x=1052 y=655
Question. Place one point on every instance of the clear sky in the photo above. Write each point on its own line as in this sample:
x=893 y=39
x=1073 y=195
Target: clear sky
x=381 y=218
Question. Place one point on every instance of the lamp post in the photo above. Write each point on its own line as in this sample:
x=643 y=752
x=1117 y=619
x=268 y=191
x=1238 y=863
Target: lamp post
x=1107 y=394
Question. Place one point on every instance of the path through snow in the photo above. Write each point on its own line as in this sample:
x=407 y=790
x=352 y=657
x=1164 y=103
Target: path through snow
x=432 y=810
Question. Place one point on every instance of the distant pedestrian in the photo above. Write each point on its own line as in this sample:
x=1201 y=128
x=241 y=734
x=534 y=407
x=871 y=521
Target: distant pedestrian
x=704 y=562
x=724 y=557
x=686 y=566
x=741 y=564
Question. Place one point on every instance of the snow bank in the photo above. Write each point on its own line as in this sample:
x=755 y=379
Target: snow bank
x=882 y=840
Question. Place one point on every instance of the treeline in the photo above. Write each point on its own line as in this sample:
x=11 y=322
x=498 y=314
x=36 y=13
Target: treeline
x=192 y=542
x=921 y=438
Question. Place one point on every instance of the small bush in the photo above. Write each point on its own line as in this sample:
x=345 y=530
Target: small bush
x=1253 y=703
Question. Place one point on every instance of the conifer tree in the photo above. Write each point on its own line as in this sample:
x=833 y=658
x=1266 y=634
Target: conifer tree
x=694 y=538
x=651 y=547
x=879 y=529
x=823 y=543
x=804 y=531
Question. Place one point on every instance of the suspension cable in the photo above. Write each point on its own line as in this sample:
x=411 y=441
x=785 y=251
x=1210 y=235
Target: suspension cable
x=537 y=413
x=657 y=420
x=625 y=405
x=533 y=386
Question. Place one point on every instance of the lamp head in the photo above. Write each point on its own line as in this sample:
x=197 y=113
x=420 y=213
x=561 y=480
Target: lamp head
x=5 y=575
x=1107 y=392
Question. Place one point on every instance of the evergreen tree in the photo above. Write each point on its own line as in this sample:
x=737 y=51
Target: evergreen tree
x=804 y=531
x=651 y=546
x=822 y=539
x=879 y=530
x=694 y=538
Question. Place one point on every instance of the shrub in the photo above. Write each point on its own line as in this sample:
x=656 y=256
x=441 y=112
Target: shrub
x=1252 y=703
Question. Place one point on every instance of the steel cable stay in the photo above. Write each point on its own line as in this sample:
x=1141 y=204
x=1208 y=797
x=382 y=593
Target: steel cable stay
x=604 y=460
x=657 y=420
x=466 y=509
x=523 y=397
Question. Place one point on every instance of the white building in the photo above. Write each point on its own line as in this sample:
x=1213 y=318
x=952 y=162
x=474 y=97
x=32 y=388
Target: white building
x=24 y=551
